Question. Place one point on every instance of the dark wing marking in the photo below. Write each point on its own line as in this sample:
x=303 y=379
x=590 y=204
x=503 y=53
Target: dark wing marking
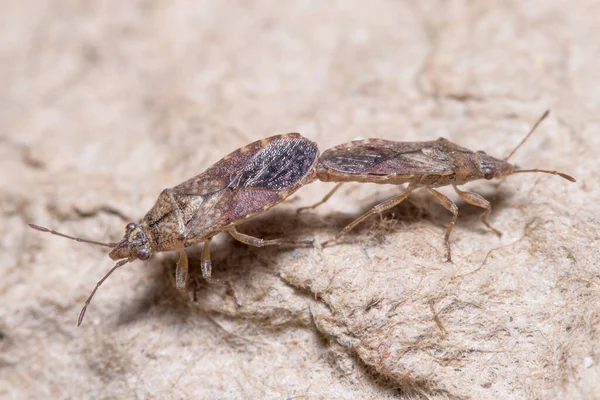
x=383 y=157
x=271 y=170
x=355 y=159
x=278 y=166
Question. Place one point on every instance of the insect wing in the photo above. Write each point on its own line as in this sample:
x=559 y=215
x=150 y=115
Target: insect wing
x=245 y=183
x=387 y=158
x=278 y=166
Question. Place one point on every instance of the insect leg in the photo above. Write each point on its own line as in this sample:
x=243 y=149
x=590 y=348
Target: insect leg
x=254 y=241
x=205 y=264
x=379 y=208
x=478 y=201
x=327 y=197
x=450 y=206
x=181 y=272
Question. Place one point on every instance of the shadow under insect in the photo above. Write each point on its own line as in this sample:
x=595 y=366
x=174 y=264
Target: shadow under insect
x=418 y=207
x=232 y=258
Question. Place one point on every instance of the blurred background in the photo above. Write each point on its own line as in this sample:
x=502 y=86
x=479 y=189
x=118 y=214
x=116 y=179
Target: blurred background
x=106 y=103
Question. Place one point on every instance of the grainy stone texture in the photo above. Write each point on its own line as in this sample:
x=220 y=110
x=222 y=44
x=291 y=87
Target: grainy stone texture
x=106 y=103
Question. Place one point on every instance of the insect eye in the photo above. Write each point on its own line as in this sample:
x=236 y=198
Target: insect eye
x=130 y=226
x=488 y=173
x=143 y=254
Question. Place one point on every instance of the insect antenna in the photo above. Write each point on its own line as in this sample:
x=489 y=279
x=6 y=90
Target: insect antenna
x=561 y=174
x=77 y=239
x=87 y=302
x=539 y=121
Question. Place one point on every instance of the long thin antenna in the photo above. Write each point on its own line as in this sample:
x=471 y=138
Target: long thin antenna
x=77 y=239
x=561 y=174
x=87 y=302
x=543 y=117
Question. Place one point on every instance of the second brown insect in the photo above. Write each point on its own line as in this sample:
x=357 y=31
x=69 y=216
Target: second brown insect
x=426 y=165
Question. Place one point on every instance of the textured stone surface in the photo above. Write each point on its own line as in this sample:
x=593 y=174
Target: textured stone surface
x=107 y=103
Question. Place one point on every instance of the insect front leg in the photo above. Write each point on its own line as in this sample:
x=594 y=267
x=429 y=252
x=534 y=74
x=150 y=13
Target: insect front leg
x=254 y=241
x=327 y=197
x=379 y=208
x=476 y=200
x=450 y=206
x=205 y=263
x=181 y=272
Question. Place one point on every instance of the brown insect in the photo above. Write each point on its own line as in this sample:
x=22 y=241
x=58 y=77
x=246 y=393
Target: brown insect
x=420 y=164
x=243 y=184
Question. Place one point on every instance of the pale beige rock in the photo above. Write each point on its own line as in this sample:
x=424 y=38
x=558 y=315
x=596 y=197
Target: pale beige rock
x=106 y=103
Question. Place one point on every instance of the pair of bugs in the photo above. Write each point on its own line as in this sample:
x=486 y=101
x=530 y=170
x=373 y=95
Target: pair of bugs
x=258 y=176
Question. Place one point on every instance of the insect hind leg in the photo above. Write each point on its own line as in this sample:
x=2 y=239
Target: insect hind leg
x=476 y=200
x=327 y=197
x=450 y=206
x=379 y=208
x=258 y=242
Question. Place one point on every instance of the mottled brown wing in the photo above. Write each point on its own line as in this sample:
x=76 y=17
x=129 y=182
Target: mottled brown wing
x=245 y=183
x=386 y=158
